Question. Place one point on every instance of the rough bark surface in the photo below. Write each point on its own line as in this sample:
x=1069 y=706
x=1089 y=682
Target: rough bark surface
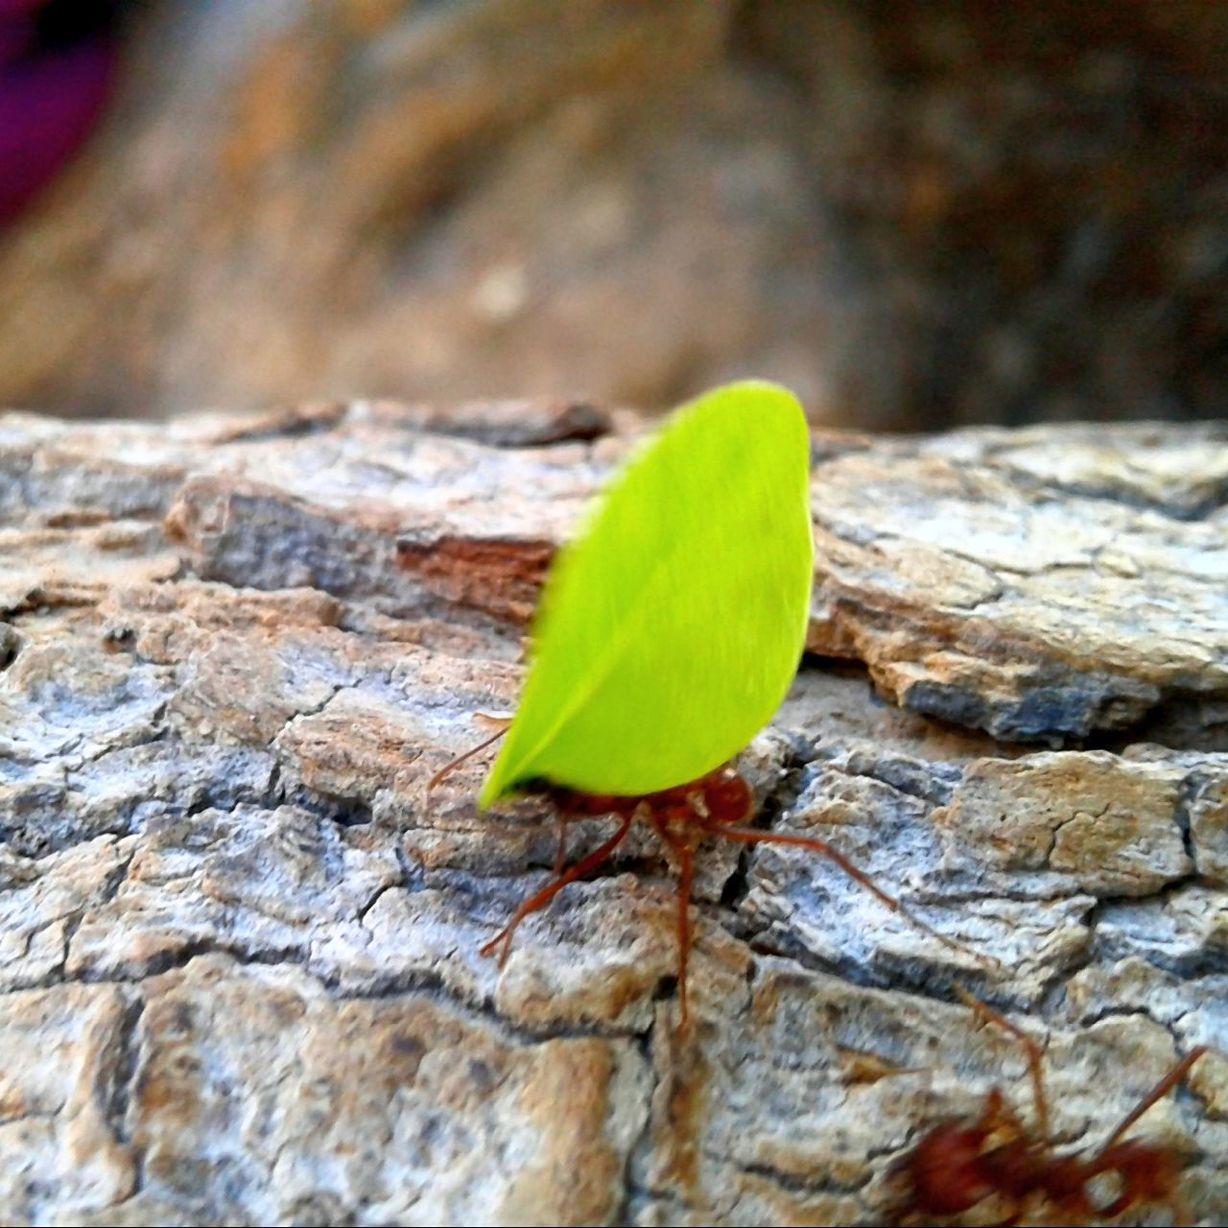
x=240 y=978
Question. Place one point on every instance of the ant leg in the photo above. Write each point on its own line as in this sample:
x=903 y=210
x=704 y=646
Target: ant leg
x=586 y=865
x=752 y=835
x=1161 y=1089
x=1030 y=1047
x=449 y=768
x=1148 y=1172
x=685 y=853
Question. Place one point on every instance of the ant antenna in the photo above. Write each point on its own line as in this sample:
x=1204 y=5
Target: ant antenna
x=1030 y=1047
x=1170 y=1080
x=444 y=772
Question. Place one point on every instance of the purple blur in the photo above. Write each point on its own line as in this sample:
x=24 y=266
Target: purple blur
x=51 y=95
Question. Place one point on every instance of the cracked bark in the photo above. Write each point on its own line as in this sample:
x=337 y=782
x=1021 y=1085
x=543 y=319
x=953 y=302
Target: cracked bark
x=240 y=978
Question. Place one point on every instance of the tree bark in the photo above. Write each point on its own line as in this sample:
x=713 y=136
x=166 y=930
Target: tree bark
x=241 y=978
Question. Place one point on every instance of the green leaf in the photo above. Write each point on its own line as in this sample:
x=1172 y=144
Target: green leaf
x=670 y=629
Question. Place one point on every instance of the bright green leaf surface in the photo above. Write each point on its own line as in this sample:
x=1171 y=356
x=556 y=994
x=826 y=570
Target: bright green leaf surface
x=670 y=629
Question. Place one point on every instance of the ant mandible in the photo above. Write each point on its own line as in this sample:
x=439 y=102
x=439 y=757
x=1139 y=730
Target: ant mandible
x=960 y=1164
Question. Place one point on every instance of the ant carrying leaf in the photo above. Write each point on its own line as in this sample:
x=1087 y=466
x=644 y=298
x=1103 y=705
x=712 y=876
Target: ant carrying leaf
x=667 y=636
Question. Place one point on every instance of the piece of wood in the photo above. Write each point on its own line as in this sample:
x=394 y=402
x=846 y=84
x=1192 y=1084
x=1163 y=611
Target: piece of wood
x=240 y=978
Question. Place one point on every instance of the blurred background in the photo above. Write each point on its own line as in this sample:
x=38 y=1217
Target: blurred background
x=917 y=213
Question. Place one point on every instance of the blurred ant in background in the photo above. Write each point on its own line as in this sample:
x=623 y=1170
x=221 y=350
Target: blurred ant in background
x=960 y=1164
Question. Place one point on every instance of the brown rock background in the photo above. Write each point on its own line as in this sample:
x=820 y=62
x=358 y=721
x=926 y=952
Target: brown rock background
x=916 y=213
x=240 y=979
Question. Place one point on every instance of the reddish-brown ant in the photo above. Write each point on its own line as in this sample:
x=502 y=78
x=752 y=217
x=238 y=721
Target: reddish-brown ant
x=714 y=805
x=961 y=1164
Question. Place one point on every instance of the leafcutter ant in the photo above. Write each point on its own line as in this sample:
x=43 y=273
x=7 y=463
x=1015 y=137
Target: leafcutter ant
x=717 y=805
x=960 y=1165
